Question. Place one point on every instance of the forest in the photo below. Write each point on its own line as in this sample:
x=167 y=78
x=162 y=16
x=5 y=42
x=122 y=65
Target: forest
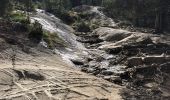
x=141 y=13
x=84 y=49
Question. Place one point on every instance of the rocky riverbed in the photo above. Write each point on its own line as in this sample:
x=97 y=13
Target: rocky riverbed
x=137 y=60
x=101 y=60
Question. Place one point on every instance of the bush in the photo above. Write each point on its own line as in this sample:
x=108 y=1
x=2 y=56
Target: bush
x=19 y=17
x=53 y=40
x=83 y=27
x=36 y=32
x=68 y=17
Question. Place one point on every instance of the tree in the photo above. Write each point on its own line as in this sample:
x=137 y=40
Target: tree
x=75 y=3
x=5 y=7
x=162 y=10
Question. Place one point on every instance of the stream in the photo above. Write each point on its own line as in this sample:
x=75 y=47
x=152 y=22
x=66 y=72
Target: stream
x=136 y=60
x=91 y=60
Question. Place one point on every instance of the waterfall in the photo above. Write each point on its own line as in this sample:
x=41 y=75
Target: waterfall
x=54 y=25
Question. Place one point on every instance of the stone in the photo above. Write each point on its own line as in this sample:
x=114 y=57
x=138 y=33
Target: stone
x=110 y=34
x=107 y=72
x=156 y=59
x=135 y=61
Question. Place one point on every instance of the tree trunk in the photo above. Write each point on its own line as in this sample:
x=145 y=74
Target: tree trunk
x=159 y=22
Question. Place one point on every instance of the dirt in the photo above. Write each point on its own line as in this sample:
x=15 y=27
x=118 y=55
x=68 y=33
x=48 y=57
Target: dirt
x=43 y=76
x=31 y=71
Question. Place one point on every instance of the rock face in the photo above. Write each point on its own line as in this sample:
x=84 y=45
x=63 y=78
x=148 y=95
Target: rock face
x=133 y=39
x=148 y=60
x=135 y=61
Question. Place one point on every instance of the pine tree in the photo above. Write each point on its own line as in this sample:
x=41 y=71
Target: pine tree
x=5 y=7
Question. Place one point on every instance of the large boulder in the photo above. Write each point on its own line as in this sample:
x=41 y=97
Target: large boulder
x=110 y=34
x=133 y=39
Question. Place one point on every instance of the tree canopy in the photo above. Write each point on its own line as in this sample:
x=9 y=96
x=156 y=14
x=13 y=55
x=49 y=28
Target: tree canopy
x=142 y=13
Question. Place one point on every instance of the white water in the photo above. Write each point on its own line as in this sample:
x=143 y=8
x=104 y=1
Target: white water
x=54 y=25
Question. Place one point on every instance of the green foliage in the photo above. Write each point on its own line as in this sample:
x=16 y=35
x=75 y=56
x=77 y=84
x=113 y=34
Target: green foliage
x=83 y=27
x=20 y=17
x=5 y=7
x=53 y=40
x=68 y=17
x=139 y=12
x=36 y=32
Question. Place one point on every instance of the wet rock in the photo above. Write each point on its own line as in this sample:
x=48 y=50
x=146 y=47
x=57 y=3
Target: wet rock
x=156 y=59
x=135 y=61
x=107 y=72
x=151 y=85
x=92 y=64
x=89 y=40
x=115 y=79
x=144 y=40
x=111 y=49
x=114 y=50
x=77 y=62
x=88 y=70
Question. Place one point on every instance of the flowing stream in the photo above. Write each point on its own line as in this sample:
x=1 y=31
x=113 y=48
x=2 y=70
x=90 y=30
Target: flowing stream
x=54 y=25
x=93 y=60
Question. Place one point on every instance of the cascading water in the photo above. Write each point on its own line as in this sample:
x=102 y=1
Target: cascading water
x=54 y=25
x=76 y=52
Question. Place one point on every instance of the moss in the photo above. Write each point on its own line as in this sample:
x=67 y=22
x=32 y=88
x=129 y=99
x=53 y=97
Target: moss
x=53 y=40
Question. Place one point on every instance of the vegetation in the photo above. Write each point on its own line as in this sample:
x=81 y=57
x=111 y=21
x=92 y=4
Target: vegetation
x=5 y=8
x=53 y=40
x=19 y=17
x=141 y=13
x=36 y=32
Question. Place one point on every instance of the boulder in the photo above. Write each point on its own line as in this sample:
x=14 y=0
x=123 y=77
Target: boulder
x=135 y=61
x=156 y=59
x=110 y=34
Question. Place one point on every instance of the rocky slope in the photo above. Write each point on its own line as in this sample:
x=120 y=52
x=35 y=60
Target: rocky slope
x=137 y=62
x=32 y=71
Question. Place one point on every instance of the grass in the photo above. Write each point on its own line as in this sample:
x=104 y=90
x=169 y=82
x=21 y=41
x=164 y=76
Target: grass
x=53 y=40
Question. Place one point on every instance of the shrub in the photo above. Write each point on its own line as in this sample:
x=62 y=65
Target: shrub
x=83 y=27
x=19 y=17
x=53 y=40
x=36 y=32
